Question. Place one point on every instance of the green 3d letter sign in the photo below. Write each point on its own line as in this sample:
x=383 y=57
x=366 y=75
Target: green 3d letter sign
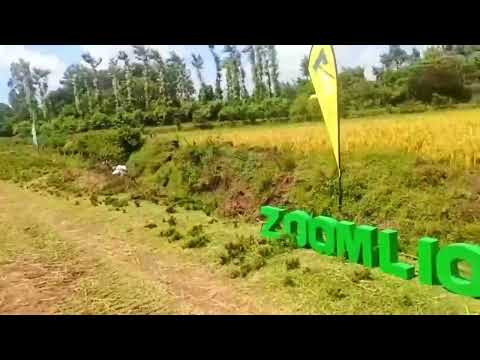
x=366 y=245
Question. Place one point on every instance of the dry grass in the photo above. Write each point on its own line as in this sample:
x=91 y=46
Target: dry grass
x=451 y=136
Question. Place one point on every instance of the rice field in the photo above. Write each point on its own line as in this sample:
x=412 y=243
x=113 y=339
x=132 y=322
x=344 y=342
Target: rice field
x=449 y=136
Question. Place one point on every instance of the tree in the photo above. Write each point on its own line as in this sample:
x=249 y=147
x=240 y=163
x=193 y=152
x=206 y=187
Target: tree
x=94 y=64
x=396 y=57
x=227 y=65
x=72 y=78
x=378 y=72
x=21 y=77
x=6 y=112
x=161 y=77
x=206 y=92
x=218 y=69
x=266 y=69
x=143 y=54
x=40 y=80
x=273 y=71
x=122 y=56
x=304 y=73
x=415 y=56
x=197 y=63
x=443 y=76
x=250 y=50
x=114 y=71
x=244 y=92
x=232 y=65
x=179 y=80
x=85 y=78
x=432 y=54
x=260 y=88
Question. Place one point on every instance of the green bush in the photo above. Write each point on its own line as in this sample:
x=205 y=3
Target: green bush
x=112 y=145
x=275 y=108
x=6 y=128
x=186 y=111
x=100 y=121
x=207 y=112
x=165 y=114
x=149 y=118
x=411 y=107
x=53 y=139
x=68 y=110
x=132 y=119
x=444 y=77
x=22 y=129
x=440 y=101
x=233 y=113
x=255 y=111
x=305 y=108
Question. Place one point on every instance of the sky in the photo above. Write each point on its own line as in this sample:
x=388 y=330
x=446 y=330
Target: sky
x=58 y=57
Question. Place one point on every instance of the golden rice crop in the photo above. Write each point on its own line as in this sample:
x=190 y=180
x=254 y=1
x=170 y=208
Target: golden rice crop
x=452 y=136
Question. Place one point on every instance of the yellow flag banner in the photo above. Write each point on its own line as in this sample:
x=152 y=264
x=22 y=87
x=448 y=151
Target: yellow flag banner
x=323 y=72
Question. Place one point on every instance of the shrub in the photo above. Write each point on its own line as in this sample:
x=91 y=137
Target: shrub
x=68 y=110
x=165 y=114
x=149 y=118
x=6 y=128
x=100 y=121
x=255 y=111
x=111 y=145
x=305 y=108
x=186 y=111
x=207 y=112
x=444 y=77
x=232 y=113
x=23 y=129
x=442 y=102
x=292 y=263
x=275 y=108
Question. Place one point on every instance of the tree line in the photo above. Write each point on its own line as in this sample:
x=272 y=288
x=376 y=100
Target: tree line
x=148 y=89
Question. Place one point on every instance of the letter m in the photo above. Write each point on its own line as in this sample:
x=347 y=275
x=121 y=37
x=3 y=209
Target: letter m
x=358 y=243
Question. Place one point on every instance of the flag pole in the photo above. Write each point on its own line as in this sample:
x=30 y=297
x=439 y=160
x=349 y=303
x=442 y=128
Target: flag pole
x=340 y=188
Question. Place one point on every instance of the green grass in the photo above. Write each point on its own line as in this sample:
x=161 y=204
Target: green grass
x=73 y=280
x=416 y=196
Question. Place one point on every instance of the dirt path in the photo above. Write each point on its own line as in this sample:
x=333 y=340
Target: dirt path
x=97 y=237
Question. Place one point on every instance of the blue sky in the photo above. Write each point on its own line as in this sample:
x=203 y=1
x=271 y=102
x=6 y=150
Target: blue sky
x=58 y=57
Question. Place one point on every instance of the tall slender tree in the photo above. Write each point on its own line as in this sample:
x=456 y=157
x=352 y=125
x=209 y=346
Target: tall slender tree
x=197 y=63
x=218 y=69
x=72 y=83
x=233 y=66
x=113 y=70
x=266 y=69
x=76 y=94
x=250 y=50
x=123 y=56
x=304 y=68
x=161 y=77
x=206 y=92
x=179 y=78
x=40 y=80
x=94 y=64
x=274 y=70
x=21 y=78
x=260 y=89
x=144 y=55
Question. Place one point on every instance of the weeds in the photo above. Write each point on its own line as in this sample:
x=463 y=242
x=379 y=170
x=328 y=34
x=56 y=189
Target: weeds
x=292 y=263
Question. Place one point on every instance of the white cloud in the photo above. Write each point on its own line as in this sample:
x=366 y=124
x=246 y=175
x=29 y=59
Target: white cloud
x=11 y=53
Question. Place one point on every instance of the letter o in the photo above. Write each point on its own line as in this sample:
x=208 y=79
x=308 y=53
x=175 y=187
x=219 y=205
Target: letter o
x=296 y=224
x=319 y=226
x=447 y=269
